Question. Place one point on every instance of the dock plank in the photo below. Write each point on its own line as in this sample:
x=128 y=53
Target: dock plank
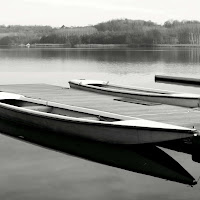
x=162 y=113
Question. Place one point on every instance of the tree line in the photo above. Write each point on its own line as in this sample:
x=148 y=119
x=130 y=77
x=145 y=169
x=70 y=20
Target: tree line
x=122 y=31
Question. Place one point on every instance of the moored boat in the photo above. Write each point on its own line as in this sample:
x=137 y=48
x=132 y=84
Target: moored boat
x=139 y=93
x=87 y=123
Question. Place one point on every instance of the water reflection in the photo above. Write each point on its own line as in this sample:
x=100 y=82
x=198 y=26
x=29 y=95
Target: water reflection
x=119 y=62
x=128 y=55
x=188 y=146
x=144 y=159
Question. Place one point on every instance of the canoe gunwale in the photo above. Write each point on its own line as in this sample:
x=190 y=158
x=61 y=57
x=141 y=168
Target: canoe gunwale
x=57 y=117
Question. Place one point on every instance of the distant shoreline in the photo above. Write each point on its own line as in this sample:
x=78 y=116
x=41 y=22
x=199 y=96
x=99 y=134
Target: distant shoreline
x=102 y=45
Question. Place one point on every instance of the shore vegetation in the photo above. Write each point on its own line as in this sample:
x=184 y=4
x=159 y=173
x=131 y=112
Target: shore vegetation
x=114 y=32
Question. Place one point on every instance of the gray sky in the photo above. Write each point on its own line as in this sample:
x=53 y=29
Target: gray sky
x=85 y=12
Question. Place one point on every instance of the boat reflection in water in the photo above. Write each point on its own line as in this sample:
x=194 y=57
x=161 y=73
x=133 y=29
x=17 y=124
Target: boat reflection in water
x=144 y=159
x=189 y=146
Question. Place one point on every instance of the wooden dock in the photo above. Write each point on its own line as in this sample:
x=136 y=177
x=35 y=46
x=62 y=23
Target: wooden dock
x=158 y=112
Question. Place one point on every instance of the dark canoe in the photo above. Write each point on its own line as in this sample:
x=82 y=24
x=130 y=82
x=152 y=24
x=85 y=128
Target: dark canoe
x=186 y=81
x=145 y=94
x=87 y=123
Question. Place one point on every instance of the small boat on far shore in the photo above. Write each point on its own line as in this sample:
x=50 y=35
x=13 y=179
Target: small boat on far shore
x=145 y=94
x=87 y=123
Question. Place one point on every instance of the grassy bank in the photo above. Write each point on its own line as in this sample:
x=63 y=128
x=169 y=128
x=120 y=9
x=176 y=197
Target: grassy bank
x=176 y=45
x=100 y=45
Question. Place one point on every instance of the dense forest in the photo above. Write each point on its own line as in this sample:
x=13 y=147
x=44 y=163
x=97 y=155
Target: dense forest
x=122 y=31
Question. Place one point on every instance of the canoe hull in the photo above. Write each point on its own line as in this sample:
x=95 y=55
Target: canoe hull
x=87 y=129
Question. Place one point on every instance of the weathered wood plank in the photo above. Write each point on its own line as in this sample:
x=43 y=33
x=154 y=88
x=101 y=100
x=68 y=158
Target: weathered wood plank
x=162 y=113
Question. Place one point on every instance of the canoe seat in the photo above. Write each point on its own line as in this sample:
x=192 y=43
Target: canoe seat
x=39 y=108
x=100 y=118
x=91 y=118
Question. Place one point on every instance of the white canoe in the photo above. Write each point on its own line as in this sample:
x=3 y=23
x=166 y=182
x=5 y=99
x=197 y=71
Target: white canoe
x=87 y=123
x=145 y=94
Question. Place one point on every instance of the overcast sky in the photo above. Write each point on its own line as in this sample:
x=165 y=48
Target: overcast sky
x=85 y=12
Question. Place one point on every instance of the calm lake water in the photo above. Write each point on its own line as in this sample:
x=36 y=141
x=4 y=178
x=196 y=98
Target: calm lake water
x=32 y=172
